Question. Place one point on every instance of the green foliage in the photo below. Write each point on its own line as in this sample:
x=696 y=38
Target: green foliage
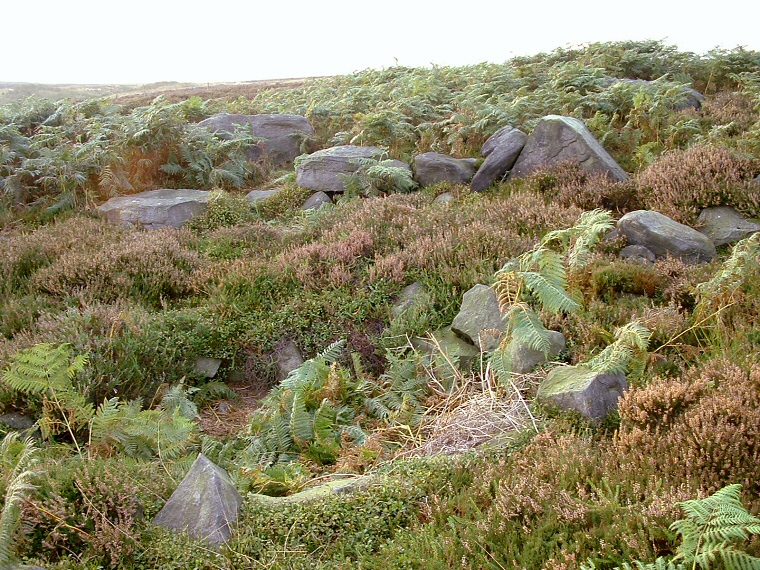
x=17 y=460
x=379 y=177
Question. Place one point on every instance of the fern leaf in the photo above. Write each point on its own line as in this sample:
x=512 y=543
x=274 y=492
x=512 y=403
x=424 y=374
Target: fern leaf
x=333 y=352
x=301 y=422
x=527 y=328
x=551 y=295
x=19 y=485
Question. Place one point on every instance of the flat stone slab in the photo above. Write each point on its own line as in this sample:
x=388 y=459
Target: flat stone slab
x=557 y=139
x=258 y=195
x=156 y=209
x=664 y=236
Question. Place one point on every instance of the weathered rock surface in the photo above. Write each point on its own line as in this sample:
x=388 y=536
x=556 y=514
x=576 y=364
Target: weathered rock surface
x=410 y=295
x=637 y=253
x=593 y=394
x=479 y=311
x=501 y=151
x=207 y=367
x=663 y=236
x=316 y=201
x=287 y=357
x=322 y=170
x=205 y=504
x=558 y=139
x=258 y=195
x=16 y=421
x=433 y=167
x=282 y=135
x=156 y=209
x=459 y=351
x=724 y=225
x=338 y=487
x=525 y=359
x=444 y=198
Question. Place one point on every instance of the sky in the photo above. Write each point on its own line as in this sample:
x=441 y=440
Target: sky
x=145 y=41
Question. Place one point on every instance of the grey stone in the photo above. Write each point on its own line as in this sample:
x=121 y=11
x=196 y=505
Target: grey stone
x=156 y=209
x=258 y=195
x=282 y=135
x=663 y=236
x=410 y=295
x=322 y=170
x=207 y=367
x=16 y=421
x=287 y=357
x=724 y=225
x=637 y=253
x=316 y=201
x=501 y=151
x=432 y=168
x=444 y=198
x=205 y=504
x=558 y=139
x=479 y=311
x=525 y=359
x=593 y=394
x=457 y=350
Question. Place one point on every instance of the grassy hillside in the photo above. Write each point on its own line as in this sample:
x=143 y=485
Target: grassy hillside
x=100 y=326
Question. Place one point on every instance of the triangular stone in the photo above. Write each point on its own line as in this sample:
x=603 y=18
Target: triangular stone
x=205 y=504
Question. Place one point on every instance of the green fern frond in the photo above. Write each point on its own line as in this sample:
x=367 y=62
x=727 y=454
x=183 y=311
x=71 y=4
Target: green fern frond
x=526 y=327
x=18 y=486
x=550 y=294
x=176 y=398
x=301 y=422
x=333 y=352
x=632 y=340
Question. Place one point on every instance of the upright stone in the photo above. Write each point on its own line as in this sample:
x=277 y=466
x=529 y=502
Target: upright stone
x=501 y=151
x=479 y=312
x=433 y=167
x=558 y=139
x=664 y=236
x=205 y=504
x=156 y=209
x=592 y=394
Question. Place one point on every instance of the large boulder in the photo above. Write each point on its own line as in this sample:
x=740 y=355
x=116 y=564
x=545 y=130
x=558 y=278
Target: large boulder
x=524 y=358
x=281 y=135
x=501 y=151
x=558 y=139
x=479 y=312
x=433 y=167
x=663 y=236
x=724 y=225
x=204 y=505
x=592 y=394
x=324 y=169
x=156 y=209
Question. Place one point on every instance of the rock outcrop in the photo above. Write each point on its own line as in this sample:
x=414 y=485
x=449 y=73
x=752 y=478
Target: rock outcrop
x=156 y=209
x=592 y=394
x=433 y=167
x=664 y=236
x=501 y=151
x=479 y=312
x=558 y=139
x=724 y=225
x=205 y=504
x=281 y=135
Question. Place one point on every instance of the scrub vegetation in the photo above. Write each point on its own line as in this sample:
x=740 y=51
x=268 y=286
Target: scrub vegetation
x=101 y=327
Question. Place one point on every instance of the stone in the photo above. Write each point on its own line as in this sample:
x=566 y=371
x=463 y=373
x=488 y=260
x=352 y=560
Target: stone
x=501 y=151
x=156 y=209
x=16 y=421
x=444 y=198
x=433 y=167
x=207 y=367
x=343 y=486
x=525 y=359
x=323 y=170
x=255 y=196
x=592 y=394
x=205 y=504
x=287 y=357
x=316 y=201
x=637 y=253
x=664 y=236
x=558 y=139
x=410 y=295
x=445 y=341
x=282 y=135
x=724 y=225
x=479 y=311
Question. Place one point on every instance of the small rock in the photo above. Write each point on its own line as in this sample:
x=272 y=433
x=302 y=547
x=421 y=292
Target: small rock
x=410 y=295
x=724 y=225
x=207 y=367
x=205 y=504
x=316 y=201
x=444 y=198
x=525 y=359
x=637 y=253
x=258 y=195
x=288 y=358
x=663 y=236
x=16 y=421
x=479 y=312
x=156 y=208
x=501 y=151
x=433 y=167
x=593 y=394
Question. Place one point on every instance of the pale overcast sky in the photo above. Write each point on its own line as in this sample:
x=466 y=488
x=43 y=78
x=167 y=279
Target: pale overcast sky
x=141 y=41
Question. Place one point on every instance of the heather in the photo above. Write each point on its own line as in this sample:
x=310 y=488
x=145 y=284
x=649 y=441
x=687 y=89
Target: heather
x=101 y=325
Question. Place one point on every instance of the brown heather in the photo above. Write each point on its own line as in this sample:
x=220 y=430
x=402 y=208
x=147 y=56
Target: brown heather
x=683 y=182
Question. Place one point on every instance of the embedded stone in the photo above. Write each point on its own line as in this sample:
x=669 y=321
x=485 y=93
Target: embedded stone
x=524 y=358
x=433 y=167
x=255 y=196
x=637 y=253
x=592 y=394
x=664 y=236
x=156 y=209
x=501 y=151
x=316 y=201
x=324 y=170
x=724 y=225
